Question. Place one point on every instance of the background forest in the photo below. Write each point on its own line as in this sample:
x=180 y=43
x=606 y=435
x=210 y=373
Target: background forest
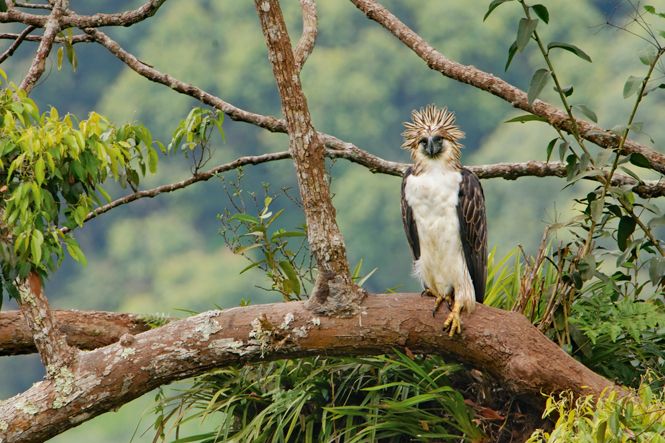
x=167 y=255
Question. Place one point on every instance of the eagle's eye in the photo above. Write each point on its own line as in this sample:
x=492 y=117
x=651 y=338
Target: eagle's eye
x=422 y=142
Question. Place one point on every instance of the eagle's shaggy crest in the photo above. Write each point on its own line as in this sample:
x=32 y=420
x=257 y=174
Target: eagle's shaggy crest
x=431 y=120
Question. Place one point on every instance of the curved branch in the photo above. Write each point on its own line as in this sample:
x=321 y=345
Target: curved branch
x=502 y=343
x=305 y=45
x=83 y=330
x=502 y=89
x=17 y=42
x=201 y=176
x=125 y=18
x=341 y=149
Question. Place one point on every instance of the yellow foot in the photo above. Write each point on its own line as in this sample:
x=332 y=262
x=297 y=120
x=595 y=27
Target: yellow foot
x=453 y=321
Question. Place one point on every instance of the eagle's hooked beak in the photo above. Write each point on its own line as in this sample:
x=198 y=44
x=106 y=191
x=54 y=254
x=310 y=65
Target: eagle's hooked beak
x=433 y=145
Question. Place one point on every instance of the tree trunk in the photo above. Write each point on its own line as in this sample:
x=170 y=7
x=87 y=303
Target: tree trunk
x=334 y=292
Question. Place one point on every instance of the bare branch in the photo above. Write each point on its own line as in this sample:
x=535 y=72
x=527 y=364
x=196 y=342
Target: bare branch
x=125 y=18
x=507 y=171
x=502 y=89
x=39 y=62
x=519 y=356
x=32 y=5
x=83 y=330
x=13 y=15
x=201 y=176
x=270 y=123
x=81 y=38
x=307 y=40
x=17 y=42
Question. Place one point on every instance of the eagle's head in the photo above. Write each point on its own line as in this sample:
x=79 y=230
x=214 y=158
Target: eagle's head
x=432 y=136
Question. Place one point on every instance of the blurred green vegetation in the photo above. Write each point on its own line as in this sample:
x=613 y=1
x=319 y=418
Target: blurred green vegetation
x=165 y=254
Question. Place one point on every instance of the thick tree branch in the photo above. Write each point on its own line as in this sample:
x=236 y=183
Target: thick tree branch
x=503 y=344
x=83 y=330
x=333 y=283
x=310 y=29
x=68 y=20
x=496 y=86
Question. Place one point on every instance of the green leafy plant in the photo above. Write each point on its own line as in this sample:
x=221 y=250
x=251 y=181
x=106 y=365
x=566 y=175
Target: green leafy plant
x=385 y=398
x=51 y=172
x=604 y=278
x=639 y=417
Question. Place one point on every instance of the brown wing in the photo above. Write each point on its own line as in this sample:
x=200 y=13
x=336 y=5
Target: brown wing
x=409 y=223
x=473 y=230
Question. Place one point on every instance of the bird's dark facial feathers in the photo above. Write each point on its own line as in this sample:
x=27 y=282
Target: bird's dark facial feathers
x=432 y=146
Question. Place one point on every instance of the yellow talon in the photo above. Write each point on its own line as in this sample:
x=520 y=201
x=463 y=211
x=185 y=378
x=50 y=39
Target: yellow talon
x=453 y=321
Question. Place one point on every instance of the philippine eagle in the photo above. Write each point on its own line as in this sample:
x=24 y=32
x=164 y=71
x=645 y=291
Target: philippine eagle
x=443 y=210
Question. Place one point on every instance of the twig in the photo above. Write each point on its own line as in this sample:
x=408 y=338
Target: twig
x=17 y=42
x=32 y=5
x=81 y=38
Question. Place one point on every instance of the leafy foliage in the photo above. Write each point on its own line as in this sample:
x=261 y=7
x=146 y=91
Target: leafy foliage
x=383 y=398
x=51 y=171
x=639 y=417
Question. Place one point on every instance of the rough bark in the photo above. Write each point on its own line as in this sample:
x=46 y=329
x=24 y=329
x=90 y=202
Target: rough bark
x=503 y=344
x=53 y=349
x=334 y=291
x=83 y=330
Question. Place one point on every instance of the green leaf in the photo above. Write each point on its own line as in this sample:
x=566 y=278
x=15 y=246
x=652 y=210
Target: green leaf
x=550 y=147
x=39 y=170
x=542 y=12
x=74 y=251
x=511 y=53
x=648 y=56
x=36 y=241
x=588 y=112
x=538 y=82
x=290 y=273
x=59 y=58
x=650 y=9
x=524 y=31
x=245 y=218
x=3 y=8
x=570 y=48
x=526 y=118
x=493 y=6
x=626 y=229
x=639 y=160
x=656 y=270
x=632 y=85
x=153 y=158
x=566 y=90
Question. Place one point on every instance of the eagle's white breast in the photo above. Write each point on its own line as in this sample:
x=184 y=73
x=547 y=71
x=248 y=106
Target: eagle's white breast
x=433 y=197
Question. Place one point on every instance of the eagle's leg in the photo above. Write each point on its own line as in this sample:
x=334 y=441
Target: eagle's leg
x=453 y=321
x=447 y=296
